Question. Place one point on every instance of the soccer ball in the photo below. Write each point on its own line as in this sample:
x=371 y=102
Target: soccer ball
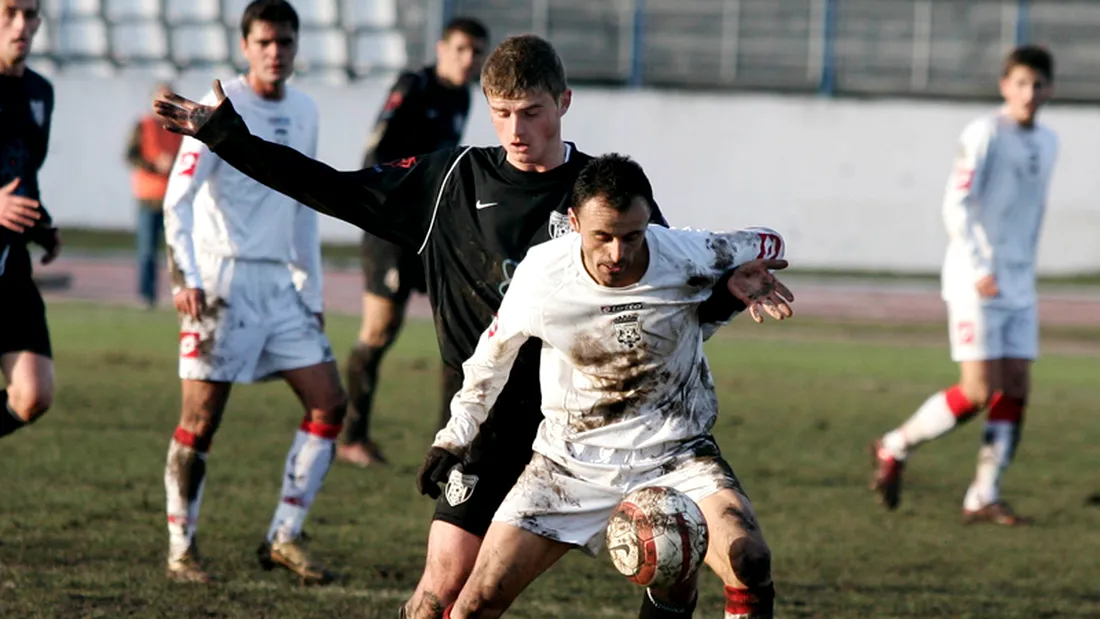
x=657 y=537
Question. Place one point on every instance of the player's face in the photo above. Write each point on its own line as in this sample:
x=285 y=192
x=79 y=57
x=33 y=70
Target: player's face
x=19 y=20
x=529 y=129
x=1025 y=90
x=460 y=57
x=613 y=243
x=269 y=49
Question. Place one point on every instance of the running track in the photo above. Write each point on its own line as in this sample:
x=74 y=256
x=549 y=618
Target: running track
x=113 y=280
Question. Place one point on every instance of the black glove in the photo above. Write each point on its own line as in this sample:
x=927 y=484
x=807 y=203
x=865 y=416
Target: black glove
x=437 y=465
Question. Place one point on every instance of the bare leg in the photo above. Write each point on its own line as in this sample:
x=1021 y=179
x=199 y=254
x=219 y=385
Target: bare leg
x=452 y=552
x=511 y=559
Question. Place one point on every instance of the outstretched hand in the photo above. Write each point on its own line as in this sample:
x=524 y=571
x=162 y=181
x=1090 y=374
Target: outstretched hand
x=754 y=285
x=181 y=115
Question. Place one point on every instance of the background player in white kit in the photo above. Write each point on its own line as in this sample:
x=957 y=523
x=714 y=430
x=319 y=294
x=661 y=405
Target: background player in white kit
x=246 y=263
x=993 y=210
x=627 y=397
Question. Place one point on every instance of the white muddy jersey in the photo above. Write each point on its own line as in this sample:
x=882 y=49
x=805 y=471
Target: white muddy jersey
x=993 y=209
x=622 y=369
x=212 y=208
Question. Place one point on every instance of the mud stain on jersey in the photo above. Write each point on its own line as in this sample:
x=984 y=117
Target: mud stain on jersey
x=700 y=280
x=724 y=254
x=625 y=378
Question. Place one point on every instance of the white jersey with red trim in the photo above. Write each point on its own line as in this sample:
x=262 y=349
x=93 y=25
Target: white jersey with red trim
x=623 y=376
x=993 y=209
x=213 y=209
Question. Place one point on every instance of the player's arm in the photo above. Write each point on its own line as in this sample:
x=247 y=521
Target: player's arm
x=742 y=262
x=308 y=277
x=484 y=375
x=397 y=99
x=394 y=202
x=962 y=199
x=194 y=165
x=486 y=371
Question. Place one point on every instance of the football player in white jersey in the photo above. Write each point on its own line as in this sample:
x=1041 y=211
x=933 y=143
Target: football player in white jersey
x=246 y=265
x=628 y=399
x=993 y=210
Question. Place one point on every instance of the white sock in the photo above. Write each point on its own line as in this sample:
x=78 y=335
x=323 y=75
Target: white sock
x=932 y=420
x=184 y=481
x=993 y=457
x=307 y=462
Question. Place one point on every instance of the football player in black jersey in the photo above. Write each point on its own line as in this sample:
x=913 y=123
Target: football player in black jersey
x=26 y=107
x=470 y=214
x=425 y=111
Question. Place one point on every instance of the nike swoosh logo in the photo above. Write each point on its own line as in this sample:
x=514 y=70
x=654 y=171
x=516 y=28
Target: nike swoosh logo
x=480 y=205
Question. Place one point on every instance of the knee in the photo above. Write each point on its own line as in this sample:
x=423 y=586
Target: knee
x=751 y=562
x=31 y=401
x=978 y=392
x=379 y=330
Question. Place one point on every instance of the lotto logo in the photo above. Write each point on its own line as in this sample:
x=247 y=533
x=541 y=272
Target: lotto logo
x=189 y=345
x=770 y=246
x=966 y=333
x=188 y=163
x=493 y=327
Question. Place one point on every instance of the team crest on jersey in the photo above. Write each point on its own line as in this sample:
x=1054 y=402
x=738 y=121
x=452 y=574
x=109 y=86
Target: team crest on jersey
x=38 y=111
x=459 y=487
x=628 y=331
x=559 y=225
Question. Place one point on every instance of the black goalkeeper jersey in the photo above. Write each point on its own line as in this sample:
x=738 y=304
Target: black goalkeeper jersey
x=26 y=108
x=469 y=213
x=420 y=115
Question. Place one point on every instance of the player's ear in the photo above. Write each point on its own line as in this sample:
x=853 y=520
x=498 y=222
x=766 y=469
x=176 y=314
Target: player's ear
x=564 y=101
x=574 y=223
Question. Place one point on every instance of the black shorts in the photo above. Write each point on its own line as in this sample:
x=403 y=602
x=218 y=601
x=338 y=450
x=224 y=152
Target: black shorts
x=23 y=318
x=391 y=271
x=500 y=452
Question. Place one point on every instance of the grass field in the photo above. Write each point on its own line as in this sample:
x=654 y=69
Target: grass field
x=82 y=530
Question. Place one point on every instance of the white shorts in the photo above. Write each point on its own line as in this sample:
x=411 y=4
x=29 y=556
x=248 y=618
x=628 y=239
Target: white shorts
x=573 y=502
x=255 y=326
x=982 y=333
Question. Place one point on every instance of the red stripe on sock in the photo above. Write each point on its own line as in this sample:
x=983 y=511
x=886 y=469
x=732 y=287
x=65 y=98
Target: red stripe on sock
x=1005 y=408
x=200 y=444
x=753 y=602
x=958 y=403
x=323 y=430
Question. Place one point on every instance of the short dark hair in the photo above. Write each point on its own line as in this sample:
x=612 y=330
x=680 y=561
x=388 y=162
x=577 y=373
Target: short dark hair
x=616 y=178
x=273 y=11
x=468 y=26
x=522 y=65
x=1034 y=57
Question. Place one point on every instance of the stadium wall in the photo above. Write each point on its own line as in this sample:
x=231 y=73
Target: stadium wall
x=850 y=184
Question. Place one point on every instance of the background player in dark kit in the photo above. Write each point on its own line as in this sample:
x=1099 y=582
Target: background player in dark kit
x=26 y=107
x=425 y=111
